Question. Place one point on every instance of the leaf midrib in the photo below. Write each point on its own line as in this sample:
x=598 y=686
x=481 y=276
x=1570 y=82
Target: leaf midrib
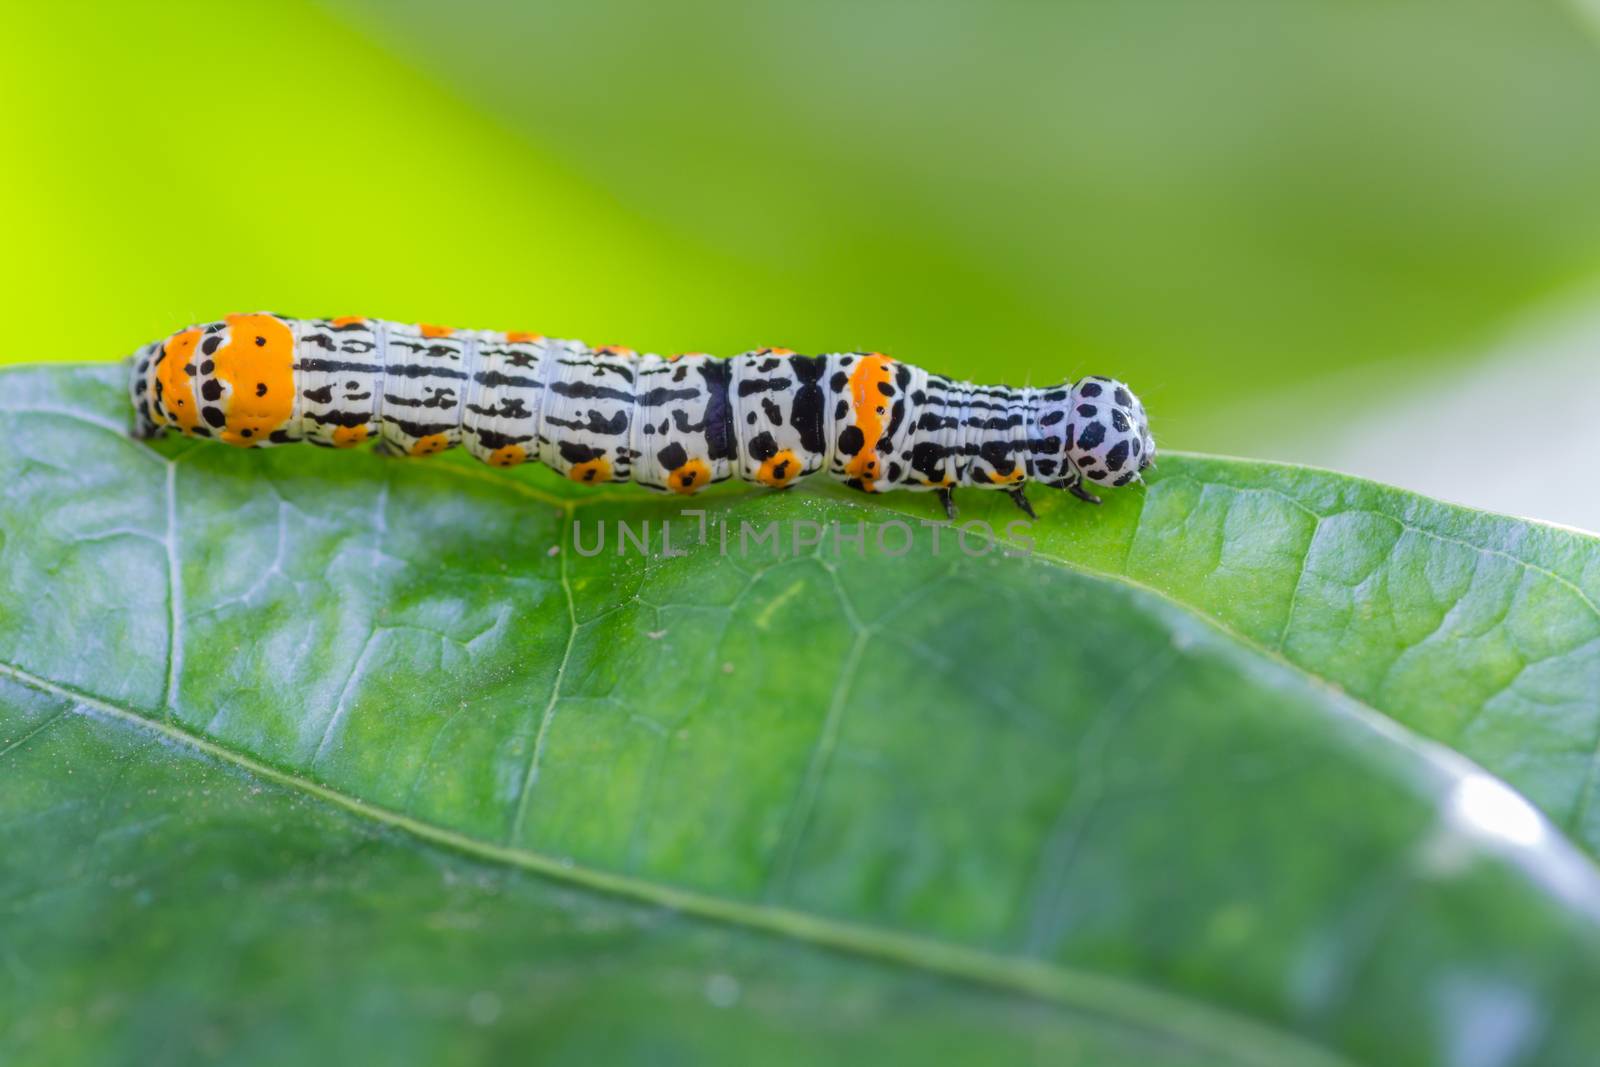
x=1168 y=1015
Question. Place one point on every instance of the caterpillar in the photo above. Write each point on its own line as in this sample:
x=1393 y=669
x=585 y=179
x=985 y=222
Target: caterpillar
x=671 y=423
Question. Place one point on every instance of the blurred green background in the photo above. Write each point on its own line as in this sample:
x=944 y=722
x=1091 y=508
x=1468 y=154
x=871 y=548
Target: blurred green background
x=1316 y=231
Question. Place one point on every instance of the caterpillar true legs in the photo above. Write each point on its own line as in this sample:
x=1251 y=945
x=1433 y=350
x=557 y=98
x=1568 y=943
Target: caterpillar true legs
x=676 y=423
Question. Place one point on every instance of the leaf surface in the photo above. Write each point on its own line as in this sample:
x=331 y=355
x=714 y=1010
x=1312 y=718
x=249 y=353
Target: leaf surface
x=372 y=746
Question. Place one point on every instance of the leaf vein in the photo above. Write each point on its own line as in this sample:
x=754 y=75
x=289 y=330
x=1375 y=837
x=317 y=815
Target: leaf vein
x=530 y=776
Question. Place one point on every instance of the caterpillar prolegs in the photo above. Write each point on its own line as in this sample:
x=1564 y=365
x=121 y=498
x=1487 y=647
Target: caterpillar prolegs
x=672 y=423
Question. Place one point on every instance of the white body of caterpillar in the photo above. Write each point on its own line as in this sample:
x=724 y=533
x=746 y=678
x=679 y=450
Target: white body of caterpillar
x=674 y=423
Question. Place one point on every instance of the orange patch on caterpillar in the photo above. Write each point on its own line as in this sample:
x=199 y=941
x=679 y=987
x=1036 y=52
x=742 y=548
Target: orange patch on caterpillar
x=692 y=477
x=614 y=350
x=349 y=436
x=869 y=405
x=1016 y=475
x=591 y=471
x=177 y=389
x=777 y=351
x=346 y=320
x=779 y=471
x=429 y=444
x=431 y=330
x=508 y=456
x=943 y=483
x=257 y=365
x=522 y=337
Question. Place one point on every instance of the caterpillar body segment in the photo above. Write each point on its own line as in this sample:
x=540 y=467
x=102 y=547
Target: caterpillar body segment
x=673 y=424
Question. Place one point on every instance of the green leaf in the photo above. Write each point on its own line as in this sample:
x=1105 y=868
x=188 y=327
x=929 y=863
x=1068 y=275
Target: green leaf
x=1477 y=630
x=319 y=756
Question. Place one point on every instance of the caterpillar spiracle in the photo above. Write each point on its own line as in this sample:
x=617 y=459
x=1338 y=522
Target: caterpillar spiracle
x=671 y=423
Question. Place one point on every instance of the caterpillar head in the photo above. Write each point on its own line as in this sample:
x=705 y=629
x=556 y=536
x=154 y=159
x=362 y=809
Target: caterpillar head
x=1108 y=436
